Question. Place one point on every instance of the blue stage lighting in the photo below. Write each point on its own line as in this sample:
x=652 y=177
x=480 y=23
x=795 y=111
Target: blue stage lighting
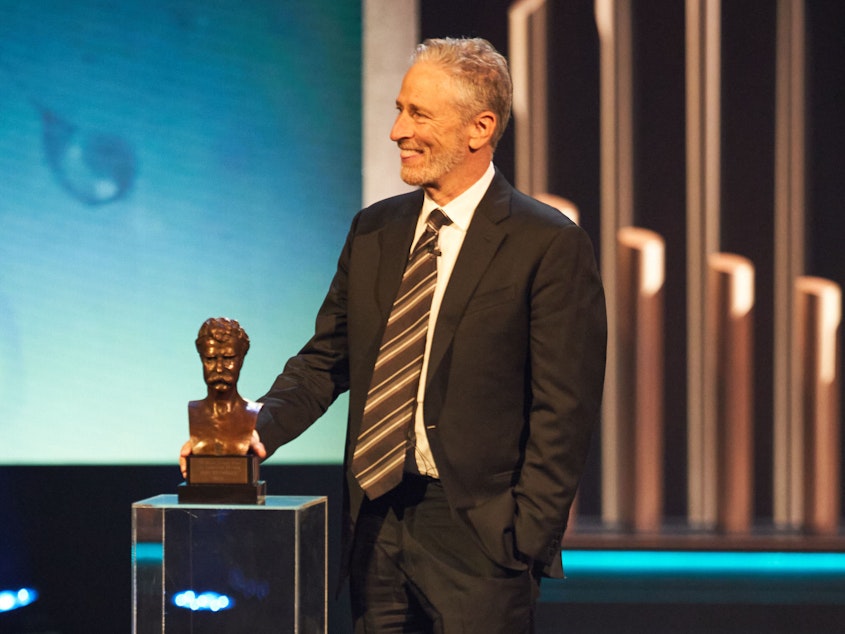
x=205 y=601
x=149 y=553
x=621 y=562
x=14 y=599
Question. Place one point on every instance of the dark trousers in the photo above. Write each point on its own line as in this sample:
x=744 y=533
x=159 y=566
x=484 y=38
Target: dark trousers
x=415 y=569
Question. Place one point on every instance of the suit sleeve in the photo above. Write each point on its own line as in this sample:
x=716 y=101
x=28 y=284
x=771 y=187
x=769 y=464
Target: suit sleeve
x=317 y=375
x=568 y=339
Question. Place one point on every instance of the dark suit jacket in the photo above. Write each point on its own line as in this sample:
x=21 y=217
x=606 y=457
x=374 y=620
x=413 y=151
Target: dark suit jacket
x=515 y=374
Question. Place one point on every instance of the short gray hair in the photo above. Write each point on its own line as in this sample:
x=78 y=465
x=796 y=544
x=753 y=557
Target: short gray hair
x=480 y=72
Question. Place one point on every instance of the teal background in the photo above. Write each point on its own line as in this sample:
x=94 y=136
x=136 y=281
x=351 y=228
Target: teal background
x=236 y=129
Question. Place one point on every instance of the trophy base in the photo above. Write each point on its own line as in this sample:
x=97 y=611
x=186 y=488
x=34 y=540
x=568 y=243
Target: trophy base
x=254 y=493
x=207 y=469
x=222 y=480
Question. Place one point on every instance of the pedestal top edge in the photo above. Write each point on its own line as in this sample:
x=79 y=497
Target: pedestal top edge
x=276 y=502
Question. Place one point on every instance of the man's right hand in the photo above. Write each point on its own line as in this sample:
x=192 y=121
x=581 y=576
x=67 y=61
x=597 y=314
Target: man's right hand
x=255 y=446
x=183 y=458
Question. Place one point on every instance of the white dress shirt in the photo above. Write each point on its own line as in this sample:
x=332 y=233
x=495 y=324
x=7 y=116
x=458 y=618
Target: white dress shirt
x=451 y=237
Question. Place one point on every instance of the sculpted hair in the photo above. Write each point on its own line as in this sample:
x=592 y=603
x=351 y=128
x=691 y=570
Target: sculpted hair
x=480 y=73
x=222 y=330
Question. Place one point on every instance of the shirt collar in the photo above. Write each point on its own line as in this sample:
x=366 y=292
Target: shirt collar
x=461 y=209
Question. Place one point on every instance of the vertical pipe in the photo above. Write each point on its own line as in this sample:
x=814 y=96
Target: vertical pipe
x=613 y=19
x=790 y=203
x=527 y=25
x=815 y=425
x=729 y=392
x=640 y=279
x=703 y=59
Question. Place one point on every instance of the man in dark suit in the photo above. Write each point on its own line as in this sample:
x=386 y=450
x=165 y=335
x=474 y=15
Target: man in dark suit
x=512 y=371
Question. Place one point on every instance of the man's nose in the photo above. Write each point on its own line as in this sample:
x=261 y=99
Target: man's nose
x=401 y=128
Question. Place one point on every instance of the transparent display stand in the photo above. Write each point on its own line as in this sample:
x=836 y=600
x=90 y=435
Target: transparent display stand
x=229 y=568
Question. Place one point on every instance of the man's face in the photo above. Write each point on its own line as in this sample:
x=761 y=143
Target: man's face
x=432 y=139
x=221 y=364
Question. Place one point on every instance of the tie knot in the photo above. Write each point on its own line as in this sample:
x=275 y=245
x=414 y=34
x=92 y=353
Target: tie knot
x=437 y=219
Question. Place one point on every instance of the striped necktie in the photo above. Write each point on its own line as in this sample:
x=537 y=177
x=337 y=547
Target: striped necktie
x=379 y=457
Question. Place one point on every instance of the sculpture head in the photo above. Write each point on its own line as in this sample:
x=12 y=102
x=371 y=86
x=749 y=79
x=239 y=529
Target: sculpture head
x=222 y=345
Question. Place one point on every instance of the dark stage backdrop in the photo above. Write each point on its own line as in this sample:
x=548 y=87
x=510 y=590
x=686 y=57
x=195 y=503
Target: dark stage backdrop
x=659 y=163
x=161 y=163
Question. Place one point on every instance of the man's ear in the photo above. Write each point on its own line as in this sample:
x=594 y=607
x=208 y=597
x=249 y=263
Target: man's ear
x=482 y=127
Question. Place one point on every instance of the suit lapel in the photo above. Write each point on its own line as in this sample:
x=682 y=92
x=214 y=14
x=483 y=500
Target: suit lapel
x=394 y=245
x=480 y=245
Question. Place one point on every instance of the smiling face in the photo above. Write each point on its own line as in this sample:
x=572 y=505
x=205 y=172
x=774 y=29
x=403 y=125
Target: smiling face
x=440 y=150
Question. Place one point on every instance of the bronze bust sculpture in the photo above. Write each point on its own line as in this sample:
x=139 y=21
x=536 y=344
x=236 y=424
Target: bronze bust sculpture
x=222 y=423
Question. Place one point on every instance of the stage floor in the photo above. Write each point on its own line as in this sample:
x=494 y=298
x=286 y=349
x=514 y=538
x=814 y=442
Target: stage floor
x=680 y=580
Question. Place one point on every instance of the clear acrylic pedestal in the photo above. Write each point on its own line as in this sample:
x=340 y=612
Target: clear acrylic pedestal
x=229 y=568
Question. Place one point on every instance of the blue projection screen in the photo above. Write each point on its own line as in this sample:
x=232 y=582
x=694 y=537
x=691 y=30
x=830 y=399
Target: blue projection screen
x=162 y=162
